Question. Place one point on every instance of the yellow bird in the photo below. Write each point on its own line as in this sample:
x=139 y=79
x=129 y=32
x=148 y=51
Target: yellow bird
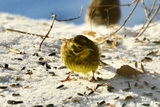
x=81 y=55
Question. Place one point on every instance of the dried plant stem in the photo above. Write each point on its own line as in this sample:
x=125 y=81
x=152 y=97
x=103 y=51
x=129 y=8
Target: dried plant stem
x=12 y=30
x=137 y=1
x=54 y=16
x=145 y=10
x=150 y=12
x=149 y=21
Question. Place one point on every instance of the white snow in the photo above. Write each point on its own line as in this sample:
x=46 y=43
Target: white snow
x=41 y=87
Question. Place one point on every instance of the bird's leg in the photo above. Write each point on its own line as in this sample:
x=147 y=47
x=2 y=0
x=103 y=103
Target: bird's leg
x=93 y=78
x=68 y=77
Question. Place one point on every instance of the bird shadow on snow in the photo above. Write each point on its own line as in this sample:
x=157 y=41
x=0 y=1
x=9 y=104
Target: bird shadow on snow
x=138 y=88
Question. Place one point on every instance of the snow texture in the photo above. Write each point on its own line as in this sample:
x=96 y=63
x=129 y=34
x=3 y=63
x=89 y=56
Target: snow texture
x=40 y=88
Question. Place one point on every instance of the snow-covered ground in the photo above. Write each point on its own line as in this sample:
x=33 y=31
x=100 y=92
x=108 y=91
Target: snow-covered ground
x=32 y=77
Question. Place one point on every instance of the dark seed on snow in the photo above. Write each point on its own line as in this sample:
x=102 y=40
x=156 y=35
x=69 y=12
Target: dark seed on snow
x=146 y=83
x=154 y=87
x=52 y=54
x=50 y=105
x=15 y=94
x=6 y=65
x=35 y=54
x=3 y=87
x=116 y=98
x=48 y=66
x=42 y=63
x=102 y=102
x=38 y=106
x=145 y=104
x=61 y=86
x=62 y=67
x=110 y=88
x=41 y=58
x=23 y=68
x=91 y=93
x=20 y=59
x=126 y=89
x=80 y=94
x=14 y=102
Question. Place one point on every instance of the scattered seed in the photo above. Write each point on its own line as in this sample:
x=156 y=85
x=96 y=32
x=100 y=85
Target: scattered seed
x=29 y=72
x=154 y=87
x=157 y=42
x=38 y=106
x=61 y=86
x=14 y=85
x=50 y=105
x=102 y=102
x=6 y=65
x=41 y=58
x=15 y=94
x=116 y=98
x=52 y=73
x=52 y=54
x=23 y=68
x=42 y=63
x=146 y=59
x=129 y=98
x=76 y=100
x=80 y=94
x=91 y=93
x=152 y=53
x=147 y=94
x=99 y=85
x=103 y=56
x=55 y=67
x=136 y=64
x=15 y=51
x=62 y=67
x=90 y=89
x=146 y=83
x=129 y=84
x=20 y=59
x=17 y=78
x=47 y=66
x=126 y=89
x=14 y=102
x=35 y=54
x=124 y=104
x=3 y=87
x=145 y=104
x=136 y=84
x=110 y=88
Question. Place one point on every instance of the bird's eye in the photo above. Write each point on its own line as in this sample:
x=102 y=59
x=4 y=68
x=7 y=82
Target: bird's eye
x=80 y=47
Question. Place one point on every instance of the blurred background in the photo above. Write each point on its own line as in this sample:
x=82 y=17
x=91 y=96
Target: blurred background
x=65 y=9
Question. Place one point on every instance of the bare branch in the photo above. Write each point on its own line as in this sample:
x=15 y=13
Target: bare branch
x=12 y=30
x=72 y=18
x=137 y=1
x=145 y=10
x=150 y=20
x=54 y=16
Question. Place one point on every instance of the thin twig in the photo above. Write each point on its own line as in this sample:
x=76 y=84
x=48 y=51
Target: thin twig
x=72 y=18
x=153 y=5
x=145 y=9
x=12 y=30
x=143 y=27
x=54 y=16
x=150 y=20
x=127 y=18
